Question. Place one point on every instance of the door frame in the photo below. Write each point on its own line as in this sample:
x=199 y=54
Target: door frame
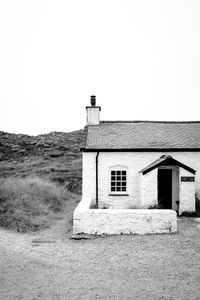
x=175 y=185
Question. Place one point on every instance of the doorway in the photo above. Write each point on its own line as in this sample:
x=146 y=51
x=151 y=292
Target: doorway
x=165 y=188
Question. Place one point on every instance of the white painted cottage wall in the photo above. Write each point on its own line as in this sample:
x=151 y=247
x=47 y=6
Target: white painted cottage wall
x=149 y=189
x=89 y=175
x=134 y=161
x=186 y=193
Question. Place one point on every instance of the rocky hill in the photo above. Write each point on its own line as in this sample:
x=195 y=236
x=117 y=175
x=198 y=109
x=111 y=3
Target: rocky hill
x=55 y=156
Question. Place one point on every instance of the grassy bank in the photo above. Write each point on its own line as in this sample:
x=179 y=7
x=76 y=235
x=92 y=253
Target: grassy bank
x=29 y=204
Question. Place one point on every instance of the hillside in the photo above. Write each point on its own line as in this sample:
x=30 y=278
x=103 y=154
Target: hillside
x=55 y=156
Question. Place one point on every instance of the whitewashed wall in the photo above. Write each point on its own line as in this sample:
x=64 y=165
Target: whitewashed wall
x=89 y=175
x=149 y=195
x=93 y=115
x=122 y=221
x=134 y=161
x=186 y=193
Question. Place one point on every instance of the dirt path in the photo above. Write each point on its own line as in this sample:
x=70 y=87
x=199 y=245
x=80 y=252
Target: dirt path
x=117 y=267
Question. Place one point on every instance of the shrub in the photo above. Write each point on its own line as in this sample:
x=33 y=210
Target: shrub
x=192 y=214
x=93 y=206
x=29 y=204
x=197 y=198
x=156 y=206
x=74 y=185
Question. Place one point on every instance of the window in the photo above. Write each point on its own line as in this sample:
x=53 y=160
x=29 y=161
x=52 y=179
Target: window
x=118 y=181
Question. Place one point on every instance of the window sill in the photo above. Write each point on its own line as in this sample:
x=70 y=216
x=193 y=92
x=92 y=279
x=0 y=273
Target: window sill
x=120 y=194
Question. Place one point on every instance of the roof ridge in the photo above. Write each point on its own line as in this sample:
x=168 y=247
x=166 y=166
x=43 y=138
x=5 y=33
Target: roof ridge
x=148 y=121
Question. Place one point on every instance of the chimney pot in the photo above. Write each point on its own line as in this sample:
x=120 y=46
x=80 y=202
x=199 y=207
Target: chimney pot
x=93 y=100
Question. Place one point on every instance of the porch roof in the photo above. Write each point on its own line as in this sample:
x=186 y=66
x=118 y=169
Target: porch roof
x=166 y=160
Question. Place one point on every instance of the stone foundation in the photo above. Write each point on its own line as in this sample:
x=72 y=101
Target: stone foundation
x=122 y=221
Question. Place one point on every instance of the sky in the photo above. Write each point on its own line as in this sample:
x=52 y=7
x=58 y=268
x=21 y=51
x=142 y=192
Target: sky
x=141 y=58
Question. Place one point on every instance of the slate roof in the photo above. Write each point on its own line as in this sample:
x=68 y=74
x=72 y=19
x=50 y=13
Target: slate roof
x=148 y=135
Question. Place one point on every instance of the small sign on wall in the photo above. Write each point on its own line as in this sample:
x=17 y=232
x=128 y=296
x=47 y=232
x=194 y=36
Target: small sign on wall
x=187 y=178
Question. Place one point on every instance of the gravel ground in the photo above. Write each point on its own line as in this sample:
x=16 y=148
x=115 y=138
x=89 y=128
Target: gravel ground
x=50 y=265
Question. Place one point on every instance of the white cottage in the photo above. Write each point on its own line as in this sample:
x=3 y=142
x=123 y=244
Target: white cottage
x=140 y=164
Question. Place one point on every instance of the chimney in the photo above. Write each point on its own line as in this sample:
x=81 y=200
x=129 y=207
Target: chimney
x=93 y=112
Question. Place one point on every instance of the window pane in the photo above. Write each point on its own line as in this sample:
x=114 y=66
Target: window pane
x=118 y=181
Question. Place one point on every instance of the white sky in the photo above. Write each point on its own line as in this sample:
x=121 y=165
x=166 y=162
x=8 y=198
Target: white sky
x=140 y=58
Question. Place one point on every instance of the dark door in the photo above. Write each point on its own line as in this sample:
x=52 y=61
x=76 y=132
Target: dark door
x=165 y=188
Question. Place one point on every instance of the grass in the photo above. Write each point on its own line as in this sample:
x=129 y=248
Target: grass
x=62 y=171
x=29 y=204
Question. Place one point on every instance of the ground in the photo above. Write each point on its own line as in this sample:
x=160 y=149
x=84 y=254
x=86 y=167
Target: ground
x=50 y=265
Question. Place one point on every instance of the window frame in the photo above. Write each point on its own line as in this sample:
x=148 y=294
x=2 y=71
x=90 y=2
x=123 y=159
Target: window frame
x=118 y=180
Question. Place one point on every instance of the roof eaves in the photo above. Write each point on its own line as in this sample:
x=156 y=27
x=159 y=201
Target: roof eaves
x=148 y=121
x=85 y=149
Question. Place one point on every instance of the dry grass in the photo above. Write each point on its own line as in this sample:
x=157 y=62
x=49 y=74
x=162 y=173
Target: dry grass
x=29 y=204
